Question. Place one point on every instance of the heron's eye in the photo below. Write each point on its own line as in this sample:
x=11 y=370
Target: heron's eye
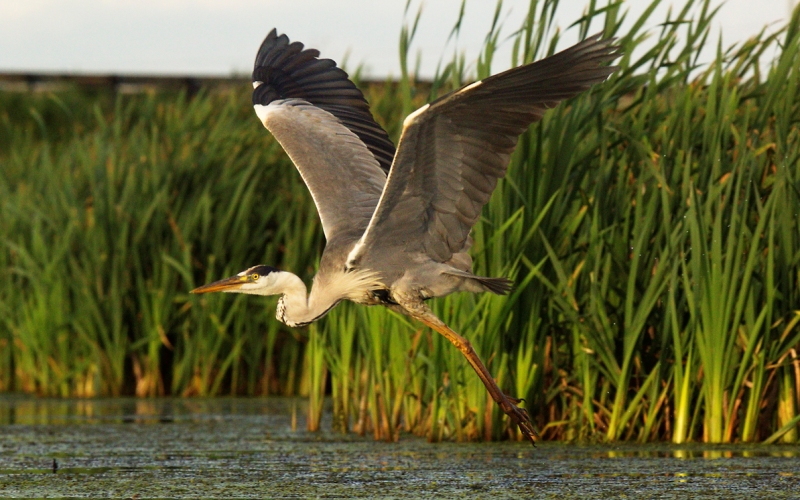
x=254 y=276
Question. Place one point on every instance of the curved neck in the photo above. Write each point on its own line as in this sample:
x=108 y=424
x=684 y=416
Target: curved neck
x=295 y=307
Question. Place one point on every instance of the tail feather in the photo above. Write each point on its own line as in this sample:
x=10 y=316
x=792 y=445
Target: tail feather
x=500 y=286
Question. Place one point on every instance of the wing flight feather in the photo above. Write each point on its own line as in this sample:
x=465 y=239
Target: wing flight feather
x=284 y=70
x=324 y=124
x=453 y=150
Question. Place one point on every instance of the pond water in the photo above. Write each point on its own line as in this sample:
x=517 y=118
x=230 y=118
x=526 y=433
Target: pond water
x=246 y=448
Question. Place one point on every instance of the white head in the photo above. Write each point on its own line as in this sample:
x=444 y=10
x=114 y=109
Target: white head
x=257 y=280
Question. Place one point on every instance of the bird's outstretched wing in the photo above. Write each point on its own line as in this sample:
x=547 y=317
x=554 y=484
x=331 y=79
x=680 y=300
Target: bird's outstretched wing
x=324 y=123
x=453 y=150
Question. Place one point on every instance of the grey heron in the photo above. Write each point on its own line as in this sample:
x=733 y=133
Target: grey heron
x=397 y=223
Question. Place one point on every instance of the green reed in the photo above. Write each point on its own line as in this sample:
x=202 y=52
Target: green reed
x=650 y=226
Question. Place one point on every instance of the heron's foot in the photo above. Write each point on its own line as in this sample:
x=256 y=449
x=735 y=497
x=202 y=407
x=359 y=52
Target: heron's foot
x=520 y=417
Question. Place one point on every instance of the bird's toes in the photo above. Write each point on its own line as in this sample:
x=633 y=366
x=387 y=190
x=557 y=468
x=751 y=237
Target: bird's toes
x=522 y=418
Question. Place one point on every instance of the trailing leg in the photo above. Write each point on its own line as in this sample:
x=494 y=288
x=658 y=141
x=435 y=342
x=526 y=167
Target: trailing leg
x=508 y=404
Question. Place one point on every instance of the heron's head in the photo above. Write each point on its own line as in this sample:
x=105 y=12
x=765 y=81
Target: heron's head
x=257 y=280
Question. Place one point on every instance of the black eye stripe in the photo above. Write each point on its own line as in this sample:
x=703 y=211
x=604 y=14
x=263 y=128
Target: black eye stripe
x=261 y=270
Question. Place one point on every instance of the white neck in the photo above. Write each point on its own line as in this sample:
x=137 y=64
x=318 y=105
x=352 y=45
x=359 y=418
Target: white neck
x=297 y=308
x=294 y=307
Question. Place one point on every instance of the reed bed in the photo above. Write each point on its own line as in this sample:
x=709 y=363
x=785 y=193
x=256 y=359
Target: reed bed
x=650 y=225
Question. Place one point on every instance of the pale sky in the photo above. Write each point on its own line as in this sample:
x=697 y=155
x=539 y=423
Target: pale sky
x=220 y=37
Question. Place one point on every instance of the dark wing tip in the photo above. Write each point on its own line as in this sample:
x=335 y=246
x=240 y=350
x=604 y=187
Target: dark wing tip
x=548 y=80
x=287 y=70
x=594 y=49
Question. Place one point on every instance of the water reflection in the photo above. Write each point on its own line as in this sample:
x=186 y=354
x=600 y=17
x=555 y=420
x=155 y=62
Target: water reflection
x=45 y=411
x=700 y=450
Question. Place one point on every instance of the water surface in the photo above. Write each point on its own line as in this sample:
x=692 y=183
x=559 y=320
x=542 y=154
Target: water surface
x=246 y=448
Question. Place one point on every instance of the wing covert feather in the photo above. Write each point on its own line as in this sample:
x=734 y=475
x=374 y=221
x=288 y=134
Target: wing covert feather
x=343 y=176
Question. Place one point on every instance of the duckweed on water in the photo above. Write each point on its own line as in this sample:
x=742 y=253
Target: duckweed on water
x=246 y=449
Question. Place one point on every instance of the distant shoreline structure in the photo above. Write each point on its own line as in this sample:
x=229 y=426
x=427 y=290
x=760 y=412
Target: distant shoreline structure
x=126 y=83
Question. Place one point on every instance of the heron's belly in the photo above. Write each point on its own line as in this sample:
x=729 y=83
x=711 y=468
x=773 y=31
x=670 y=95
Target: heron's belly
x=380 y=297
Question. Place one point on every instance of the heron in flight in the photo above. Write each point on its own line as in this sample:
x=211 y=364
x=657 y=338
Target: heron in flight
x=397 y=222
